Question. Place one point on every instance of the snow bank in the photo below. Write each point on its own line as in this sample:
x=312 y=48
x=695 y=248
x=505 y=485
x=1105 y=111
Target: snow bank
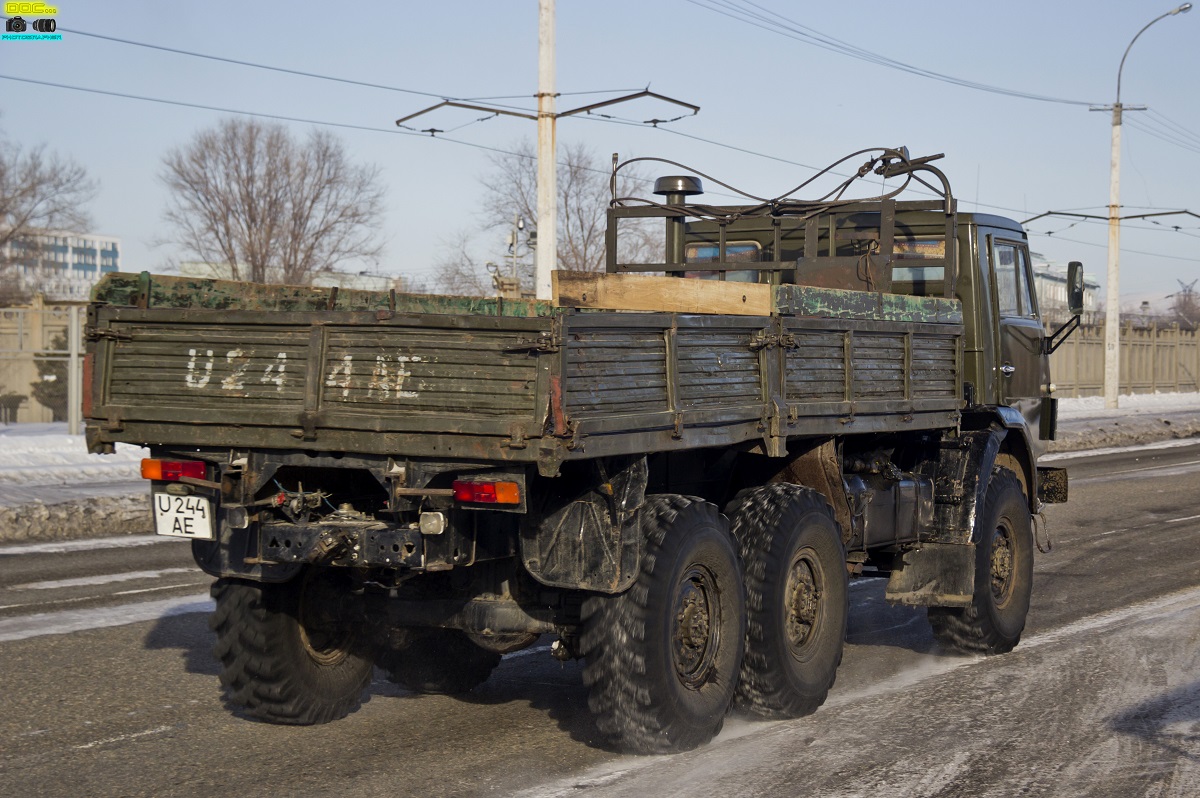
x=44 y=454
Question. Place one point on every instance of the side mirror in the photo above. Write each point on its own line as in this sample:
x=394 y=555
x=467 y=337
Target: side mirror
x=1074 y=306
x=1075 y=288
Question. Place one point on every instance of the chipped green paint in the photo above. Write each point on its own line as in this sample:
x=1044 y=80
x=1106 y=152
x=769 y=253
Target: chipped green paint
x=834 y=303
x=123 y=289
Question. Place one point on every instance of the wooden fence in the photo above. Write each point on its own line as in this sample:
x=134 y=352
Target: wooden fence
x=1153 y=360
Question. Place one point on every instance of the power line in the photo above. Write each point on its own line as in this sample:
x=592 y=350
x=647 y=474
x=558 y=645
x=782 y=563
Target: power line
x=1165 y=136
x=285 y=118
x=498 y=150
x=281 y=117
x=777 y=23
x=1105 y=246
x=314 y=75
x=1178 y=128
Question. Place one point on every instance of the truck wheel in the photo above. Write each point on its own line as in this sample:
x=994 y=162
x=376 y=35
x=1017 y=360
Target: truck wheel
x=796 y=599
x=439 y=661
x=288 y=652
x=662 y=657
x=1003 y=575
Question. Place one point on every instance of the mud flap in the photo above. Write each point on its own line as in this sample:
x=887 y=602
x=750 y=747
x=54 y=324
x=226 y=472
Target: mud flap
x=934 y=575
x=1052 y=485
x=587 y=535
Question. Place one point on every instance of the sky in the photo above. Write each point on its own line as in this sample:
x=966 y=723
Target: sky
x=773 y=106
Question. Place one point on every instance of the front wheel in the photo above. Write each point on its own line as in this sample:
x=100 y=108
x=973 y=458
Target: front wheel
x=290 y=653
x=662 y=658
x=993 y=623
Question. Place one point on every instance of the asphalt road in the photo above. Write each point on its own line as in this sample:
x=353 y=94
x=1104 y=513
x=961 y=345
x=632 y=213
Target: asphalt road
x=1102 y=697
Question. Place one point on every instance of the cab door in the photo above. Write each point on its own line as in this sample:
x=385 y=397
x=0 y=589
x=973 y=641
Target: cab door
x=1023 y=371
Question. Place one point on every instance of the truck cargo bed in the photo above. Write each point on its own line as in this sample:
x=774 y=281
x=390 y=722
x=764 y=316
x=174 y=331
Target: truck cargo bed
x=214 y=363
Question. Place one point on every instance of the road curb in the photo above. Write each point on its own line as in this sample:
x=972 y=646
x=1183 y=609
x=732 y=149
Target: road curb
x=94 y=517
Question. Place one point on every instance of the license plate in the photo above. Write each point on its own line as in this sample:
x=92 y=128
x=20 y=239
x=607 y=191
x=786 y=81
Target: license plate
x=183 y=516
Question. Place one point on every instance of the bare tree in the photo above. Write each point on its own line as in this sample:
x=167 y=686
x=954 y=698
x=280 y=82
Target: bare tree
x=510 y=190
x=268 y=208
x=40 y=193
x=1185 y=305
x=459 y=272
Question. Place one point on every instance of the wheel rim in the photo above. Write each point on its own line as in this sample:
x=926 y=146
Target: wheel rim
x=325 y=638
x=696 y=627
x=802 y=601
x=1002 y=564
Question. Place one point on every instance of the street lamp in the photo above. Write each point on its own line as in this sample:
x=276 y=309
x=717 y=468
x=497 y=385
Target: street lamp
x=1112 y=316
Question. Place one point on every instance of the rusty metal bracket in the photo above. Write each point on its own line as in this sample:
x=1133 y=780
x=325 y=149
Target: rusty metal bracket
x=107 y=333
x=516 y=438
x=545 y=342
x=762 y=339
x=677 y=434
x=576 y=442
x=308 y=426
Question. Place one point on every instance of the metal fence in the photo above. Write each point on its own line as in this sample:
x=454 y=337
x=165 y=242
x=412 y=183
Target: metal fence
x=1153 y=359
x=41 y=358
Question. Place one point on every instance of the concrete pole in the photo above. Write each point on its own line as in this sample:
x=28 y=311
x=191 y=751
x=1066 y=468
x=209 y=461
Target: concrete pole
x=74 y=373
x=1112 y=316
x=547 y=176
x=1112 y=311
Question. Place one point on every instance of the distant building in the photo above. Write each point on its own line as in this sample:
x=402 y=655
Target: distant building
x=1050 y=283
x=62 y=265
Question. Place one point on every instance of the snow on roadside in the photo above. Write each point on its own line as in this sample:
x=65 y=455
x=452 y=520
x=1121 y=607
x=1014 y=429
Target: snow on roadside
x=1135 y=404
x=44 y=454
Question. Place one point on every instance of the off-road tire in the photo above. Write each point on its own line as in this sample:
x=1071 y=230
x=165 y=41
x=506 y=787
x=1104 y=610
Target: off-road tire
x=439 y=661
x=1003 y=537
x=796 y=599
x=279 y=662
x=662 y=658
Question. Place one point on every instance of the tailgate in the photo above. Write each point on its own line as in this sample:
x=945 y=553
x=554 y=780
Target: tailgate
x=242 y=378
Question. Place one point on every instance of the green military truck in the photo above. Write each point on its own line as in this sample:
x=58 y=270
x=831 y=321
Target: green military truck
x=674 y=469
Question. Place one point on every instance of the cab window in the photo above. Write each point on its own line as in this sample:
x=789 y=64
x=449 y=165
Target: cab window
x=1014 y=293
x=735 y=252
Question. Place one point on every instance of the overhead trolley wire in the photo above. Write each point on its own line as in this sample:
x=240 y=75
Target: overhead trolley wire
x=776 y=23
x=316 y=75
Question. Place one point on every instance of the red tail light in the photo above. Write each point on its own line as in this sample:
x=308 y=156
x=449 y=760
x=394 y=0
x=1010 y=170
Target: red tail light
x=487 y=492
x=172 y=470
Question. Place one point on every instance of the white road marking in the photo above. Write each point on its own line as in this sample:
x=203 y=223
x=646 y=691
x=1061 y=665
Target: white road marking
x=526 y=652
x=68 y=621
x=102 y=579
x=1180 y=601
x=161 y=587
x=123 y=737
x=91 y=544
x=1140 y=447
x=934 y=667
x=1178 y=520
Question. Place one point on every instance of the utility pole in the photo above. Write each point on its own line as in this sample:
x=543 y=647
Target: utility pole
x=547 y=118
x=547 y=163
x=1112 y=314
